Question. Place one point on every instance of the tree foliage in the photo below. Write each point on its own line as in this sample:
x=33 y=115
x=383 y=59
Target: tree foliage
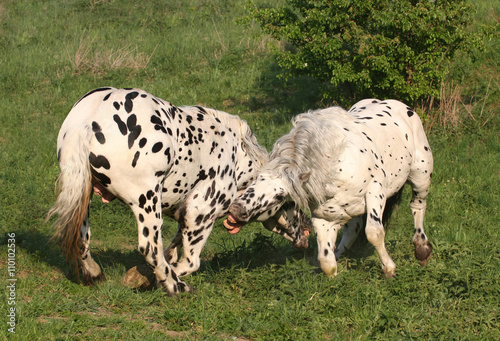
x=370 y=48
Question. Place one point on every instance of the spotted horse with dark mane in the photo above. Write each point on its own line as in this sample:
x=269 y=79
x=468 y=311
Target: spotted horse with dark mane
x=188 y=163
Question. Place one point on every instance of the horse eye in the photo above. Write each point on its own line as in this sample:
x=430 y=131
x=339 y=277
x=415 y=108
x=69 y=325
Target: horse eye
x=280 y=197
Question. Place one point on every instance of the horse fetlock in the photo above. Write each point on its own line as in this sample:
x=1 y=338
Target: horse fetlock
x=175 y=288
x=183 y=287
x=171 y=291
x=184 y=268
x=389 y=269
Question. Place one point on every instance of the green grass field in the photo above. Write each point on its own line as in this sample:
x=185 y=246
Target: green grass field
x=254 y=285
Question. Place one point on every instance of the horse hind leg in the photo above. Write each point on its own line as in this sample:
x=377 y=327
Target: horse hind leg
x=420 y=181
x=423 y=248
x=171 y=253
x=91 y=271
x=375 y=233
x=350 y=233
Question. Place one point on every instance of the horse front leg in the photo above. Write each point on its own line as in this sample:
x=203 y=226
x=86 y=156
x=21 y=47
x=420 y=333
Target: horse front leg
x=195 y=226
x=171 y=253
x=196 y=220
x=149 y=225
x=326 y=234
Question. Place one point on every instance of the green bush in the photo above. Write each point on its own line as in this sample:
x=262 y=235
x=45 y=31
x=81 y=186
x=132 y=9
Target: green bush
x=362 y=48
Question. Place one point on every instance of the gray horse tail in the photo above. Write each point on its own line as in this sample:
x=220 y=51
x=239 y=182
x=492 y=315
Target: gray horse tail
x=74 y=190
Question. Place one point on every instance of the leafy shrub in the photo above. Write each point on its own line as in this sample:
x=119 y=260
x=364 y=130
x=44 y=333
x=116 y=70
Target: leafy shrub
x=370 y=48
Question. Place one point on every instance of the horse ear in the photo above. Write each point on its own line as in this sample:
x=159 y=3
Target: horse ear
x=305 y=176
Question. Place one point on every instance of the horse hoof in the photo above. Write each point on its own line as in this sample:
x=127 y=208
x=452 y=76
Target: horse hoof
x=423 y=252
x=89 y=280
x=183 y=287
x=390 y=275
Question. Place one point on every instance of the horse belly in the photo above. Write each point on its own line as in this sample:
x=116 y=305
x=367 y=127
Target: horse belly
x=340 y=209
x=176 y=190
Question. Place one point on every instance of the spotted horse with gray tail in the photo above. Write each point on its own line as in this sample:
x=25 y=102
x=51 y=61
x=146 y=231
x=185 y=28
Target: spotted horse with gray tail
x=188 y=163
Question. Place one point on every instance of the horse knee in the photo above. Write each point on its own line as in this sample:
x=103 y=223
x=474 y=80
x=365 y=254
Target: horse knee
x=418 y=205
x=375 y=234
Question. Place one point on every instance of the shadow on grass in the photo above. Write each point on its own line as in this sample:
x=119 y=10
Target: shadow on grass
x=40 y=246
x=263 y=251
x=286 y=97
x=259 y=252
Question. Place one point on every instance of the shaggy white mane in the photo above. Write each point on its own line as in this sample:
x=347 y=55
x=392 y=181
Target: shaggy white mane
x=313 y=145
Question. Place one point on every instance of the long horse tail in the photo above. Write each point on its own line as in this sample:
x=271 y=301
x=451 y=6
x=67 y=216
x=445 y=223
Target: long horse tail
x=74 y=190
x=391 y=205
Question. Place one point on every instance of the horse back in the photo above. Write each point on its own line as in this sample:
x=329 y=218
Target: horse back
x=396 y=133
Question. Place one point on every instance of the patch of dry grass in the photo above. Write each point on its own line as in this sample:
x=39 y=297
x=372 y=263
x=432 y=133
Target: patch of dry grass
x=95 y=58
x=455 y=107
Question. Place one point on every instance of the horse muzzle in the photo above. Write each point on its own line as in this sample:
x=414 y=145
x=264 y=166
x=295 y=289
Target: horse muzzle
x=238 y=213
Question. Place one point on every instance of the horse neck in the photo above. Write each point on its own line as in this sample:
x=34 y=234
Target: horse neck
x=252 y=151
x=248 y=149
x=309 y=147
x=250 y=156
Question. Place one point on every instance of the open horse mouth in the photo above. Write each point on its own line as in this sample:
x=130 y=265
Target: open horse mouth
x=232 y=225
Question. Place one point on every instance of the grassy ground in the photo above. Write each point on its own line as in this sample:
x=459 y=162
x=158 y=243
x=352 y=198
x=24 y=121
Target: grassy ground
x=252 y=286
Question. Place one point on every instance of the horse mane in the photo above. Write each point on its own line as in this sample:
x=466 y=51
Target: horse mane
x=243 y=131
x=314 y=143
